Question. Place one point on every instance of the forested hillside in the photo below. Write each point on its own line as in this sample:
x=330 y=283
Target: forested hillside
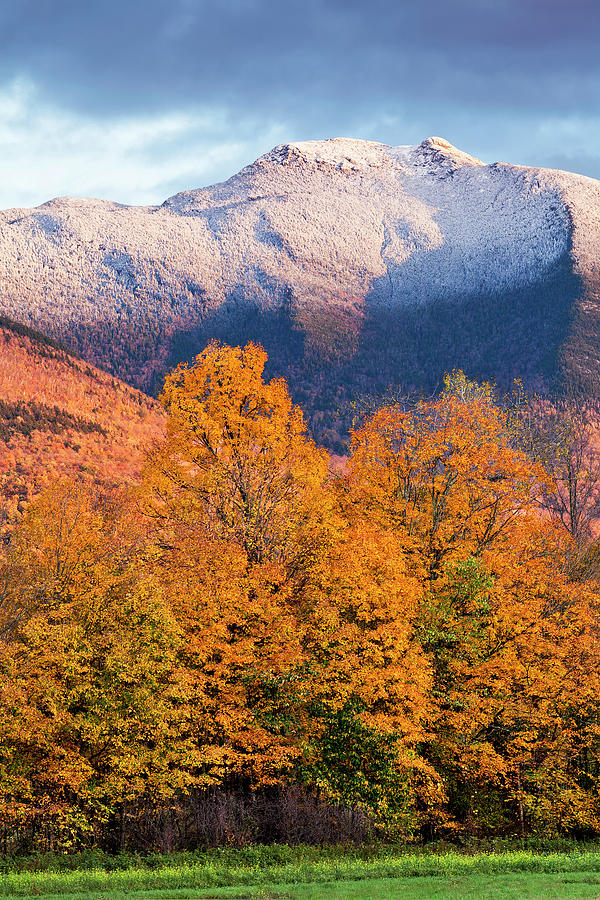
x=59 y=416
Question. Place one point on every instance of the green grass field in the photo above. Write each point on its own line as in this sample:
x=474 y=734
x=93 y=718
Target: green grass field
x=410 y=876
x=490 y=887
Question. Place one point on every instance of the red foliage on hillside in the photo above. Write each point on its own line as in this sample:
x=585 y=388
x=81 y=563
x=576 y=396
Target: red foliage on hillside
x=61 y=416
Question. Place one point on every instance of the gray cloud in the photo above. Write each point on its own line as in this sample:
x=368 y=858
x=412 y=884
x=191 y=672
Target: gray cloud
x=487 y=74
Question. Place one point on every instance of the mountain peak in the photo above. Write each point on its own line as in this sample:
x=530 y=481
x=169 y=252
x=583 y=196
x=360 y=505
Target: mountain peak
x=350 y=154
x=437 y=152
x=342 y=153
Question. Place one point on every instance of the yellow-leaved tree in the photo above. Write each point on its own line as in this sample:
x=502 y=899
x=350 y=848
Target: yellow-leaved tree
x=298 y=649
x=237 y=462
x=506 y=633
x=88 y=698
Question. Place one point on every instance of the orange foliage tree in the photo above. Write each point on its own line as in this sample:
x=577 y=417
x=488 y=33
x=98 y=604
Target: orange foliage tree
x=88 y=700
x=287 y=620
x=503 y=629
x=237 y=461
x=402 y=637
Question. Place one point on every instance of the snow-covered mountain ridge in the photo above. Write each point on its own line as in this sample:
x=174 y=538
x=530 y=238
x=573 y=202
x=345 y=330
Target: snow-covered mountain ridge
x=356 y=263
x=351 y=155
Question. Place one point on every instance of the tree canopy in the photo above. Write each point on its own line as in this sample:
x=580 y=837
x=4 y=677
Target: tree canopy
x=401 y=638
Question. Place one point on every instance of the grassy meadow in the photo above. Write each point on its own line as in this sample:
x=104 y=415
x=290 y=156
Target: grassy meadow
x=504 y=887
x=310 y=875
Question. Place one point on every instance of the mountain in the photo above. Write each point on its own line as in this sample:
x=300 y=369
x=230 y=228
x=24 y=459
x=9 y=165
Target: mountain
x=60 y=416
x=356 y=264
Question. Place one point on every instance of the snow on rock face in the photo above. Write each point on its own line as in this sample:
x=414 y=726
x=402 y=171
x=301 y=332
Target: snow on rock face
x=435 y=154
x=347 y=154
x=495 y=224
x=344 y=154
x=392 y=225
x=500 y=230
x=328 y=232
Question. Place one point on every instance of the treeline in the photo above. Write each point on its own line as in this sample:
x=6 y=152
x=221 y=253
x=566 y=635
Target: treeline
x=138 y=318
x=330 y=355
x=249 y=647
x=24 y=418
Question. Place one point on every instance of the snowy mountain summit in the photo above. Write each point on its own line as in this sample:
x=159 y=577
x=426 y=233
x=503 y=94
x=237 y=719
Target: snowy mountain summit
x=354 y=262
x=349 y=155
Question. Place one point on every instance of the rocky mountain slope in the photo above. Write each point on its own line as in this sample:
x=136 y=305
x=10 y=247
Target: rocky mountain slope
x=358 y=266
x=60 y=416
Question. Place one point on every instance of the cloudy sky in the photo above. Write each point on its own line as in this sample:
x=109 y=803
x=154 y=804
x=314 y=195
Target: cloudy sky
x=133 y=100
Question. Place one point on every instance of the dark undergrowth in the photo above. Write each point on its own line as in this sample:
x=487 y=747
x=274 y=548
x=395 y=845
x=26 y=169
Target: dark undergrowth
x=259 y=855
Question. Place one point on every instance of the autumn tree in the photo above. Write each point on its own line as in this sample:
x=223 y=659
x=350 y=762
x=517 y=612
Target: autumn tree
x=237 y=459
x=561 y=435
x=87 y=694
x=503 y=629
x=291 y=614
x=237 y=501
x=444 y=474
